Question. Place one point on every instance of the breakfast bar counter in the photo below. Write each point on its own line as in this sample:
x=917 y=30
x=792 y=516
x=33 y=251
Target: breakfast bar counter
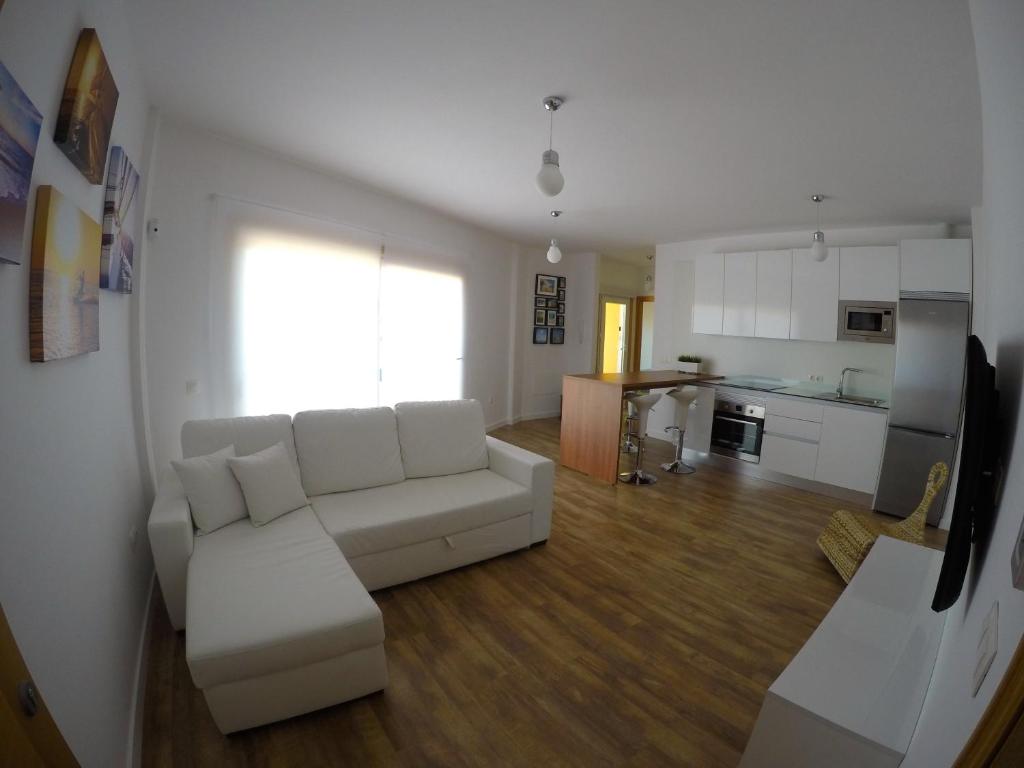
x=592 y=415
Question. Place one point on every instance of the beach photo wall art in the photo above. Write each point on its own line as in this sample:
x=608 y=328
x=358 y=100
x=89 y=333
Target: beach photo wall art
x=549 y=309
x=64 y=280
x=87 y=108
x=19 y=134
x=118 y=252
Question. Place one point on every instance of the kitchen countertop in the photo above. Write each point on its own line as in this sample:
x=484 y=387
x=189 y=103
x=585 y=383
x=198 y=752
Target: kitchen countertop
x=790 y=387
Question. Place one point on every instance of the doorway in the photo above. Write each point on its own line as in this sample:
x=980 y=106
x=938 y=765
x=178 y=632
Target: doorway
x=642 y=347
x=613 y=337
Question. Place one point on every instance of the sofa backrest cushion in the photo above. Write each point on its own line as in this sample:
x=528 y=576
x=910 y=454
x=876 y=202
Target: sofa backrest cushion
x=444 y=437
x=347 y=450
x=249 y=434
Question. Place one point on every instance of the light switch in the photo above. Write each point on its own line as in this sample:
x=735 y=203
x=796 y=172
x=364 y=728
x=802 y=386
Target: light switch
x=988 y=644
x=191 y=387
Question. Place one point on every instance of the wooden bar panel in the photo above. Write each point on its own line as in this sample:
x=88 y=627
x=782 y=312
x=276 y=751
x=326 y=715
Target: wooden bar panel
x=590 y=427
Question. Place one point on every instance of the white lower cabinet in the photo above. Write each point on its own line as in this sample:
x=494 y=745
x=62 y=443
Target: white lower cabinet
x=850 y=451
x=789 y=456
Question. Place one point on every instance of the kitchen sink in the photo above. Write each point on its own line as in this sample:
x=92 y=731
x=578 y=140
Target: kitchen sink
x=852 y=399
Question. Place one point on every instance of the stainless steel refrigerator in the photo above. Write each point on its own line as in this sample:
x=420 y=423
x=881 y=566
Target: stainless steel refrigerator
x=927 y=397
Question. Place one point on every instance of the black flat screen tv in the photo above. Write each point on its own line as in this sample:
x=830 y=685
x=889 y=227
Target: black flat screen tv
x=974 y=505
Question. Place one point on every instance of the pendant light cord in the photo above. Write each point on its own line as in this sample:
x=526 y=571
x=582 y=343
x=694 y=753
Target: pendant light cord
x=551 y=129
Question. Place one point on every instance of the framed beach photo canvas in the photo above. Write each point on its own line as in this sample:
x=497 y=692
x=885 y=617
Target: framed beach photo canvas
x=557 y=336
x=552 y=303
x=117 y=256
x=87 y=108
x=551 y=316
x=19 y=134
x=539 y=317
x=540 y=335
x=547 y=285
x=64 y=280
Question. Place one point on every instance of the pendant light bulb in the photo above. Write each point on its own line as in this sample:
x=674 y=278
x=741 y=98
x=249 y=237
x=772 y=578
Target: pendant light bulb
x=554 y=252
x=819 y=252
x=549 y=178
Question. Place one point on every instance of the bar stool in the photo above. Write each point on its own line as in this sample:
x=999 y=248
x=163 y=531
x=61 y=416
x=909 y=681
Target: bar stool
x=628 y=446
x=684 y=398
x=643 y=401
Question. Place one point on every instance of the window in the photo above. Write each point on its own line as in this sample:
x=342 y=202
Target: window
x=318 y=316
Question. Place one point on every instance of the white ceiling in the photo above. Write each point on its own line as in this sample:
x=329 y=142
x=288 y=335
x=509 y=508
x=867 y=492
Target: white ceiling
x=682 y=118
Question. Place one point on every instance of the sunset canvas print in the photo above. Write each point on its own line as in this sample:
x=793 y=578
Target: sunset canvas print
x=87 y=108
x=64 y=315
x=118 y=253
x=19 y=135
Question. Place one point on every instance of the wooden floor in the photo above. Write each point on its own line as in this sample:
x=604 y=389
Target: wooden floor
x=645 y=632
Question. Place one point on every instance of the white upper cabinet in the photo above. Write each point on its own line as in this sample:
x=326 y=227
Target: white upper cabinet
x=708 y=276
x=774 y=293
x=740 y=294
x=935 y=265
x=850 y=449
x=869 y=273
x=815 y=303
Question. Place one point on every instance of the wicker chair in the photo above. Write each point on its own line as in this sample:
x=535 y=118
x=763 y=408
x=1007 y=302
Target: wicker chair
x=847 y=538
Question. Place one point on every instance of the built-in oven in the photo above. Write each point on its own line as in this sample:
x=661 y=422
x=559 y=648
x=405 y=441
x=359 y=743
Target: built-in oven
x=738 y=426
x=867 y=321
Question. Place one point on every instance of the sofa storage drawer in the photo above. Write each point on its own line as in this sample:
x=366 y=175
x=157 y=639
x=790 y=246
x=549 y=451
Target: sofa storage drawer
x=396 y=566
x=790 y=457
x=783 y=426
x=794 y=409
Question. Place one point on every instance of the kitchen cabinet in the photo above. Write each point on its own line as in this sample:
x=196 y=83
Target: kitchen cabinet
x=739 y=294
x=708 y=285
x=815 y=303
x=789 y=456
x=869 y=273
x=774 y=294
x=850 y=448
x=935 y=265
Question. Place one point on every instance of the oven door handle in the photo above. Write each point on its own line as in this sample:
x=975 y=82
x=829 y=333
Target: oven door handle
x=736 y=421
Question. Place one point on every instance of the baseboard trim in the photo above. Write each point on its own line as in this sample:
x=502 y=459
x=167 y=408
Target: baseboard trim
x=139 y=696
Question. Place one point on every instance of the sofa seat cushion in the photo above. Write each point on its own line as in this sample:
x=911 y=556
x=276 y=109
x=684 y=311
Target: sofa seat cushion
x=278 y=597
x=378 y=519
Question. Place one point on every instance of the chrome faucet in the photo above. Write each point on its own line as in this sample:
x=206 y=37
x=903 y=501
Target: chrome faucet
x=842 y=379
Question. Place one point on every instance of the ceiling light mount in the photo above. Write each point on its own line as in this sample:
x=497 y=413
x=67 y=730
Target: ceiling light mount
x=819 y=251
x=549 y=179
x=555 y=214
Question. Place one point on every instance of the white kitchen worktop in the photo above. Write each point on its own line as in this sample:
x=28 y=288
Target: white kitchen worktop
x=791 y=388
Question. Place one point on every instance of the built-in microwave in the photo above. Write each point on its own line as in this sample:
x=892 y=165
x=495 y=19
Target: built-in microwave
x=867 y=321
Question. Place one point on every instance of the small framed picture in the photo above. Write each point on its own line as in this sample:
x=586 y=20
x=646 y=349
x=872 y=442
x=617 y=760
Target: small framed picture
x=561 y=307
x=561 y=284
x=561 y=295
x=558 y=335
x=552 y=317
x=540 y=301
x=551 y=303
x=540 y=317
x=540 y=335
x=547 y=285
x=561 y=321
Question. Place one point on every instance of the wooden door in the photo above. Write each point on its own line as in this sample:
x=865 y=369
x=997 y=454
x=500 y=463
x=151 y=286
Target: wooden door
x=25 y=740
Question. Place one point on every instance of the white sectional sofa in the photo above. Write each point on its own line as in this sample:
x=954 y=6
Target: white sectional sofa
x=278 y=620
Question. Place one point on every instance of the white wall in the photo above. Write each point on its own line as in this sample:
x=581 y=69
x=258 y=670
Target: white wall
x=191 y=165
x=70 y=479
x=617 y=278
x=540 y=367
x=950 y=712
x=674 y=285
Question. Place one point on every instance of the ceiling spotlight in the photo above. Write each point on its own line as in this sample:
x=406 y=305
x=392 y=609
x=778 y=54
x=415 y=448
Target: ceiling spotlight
x=819 y=252
x=549 y=178
x=554 y=252
x=555 y=214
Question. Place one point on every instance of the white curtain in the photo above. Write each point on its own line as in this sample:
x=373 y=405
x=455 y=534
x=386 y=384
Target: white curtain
x=308 y=314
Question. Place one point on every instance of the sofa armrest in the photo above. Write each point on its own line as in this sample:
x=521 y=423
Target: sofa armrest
x=532 y=470
x=171 y=538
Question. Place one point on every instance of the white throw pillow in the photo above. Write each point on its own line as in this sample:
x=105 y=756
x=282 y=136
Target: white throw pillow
x=269 y=483
x=214 y=495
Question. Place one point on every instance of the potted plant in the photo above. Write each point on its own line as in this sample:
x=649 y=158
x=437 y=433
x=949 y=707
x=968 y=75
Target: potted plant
x=689 y=363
